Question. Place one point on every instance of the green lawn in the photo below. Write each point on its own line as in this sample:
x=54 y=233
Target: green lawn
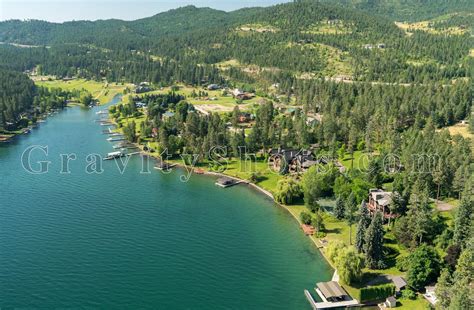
x=361 y=160
x=243 y=170
x=220 y=104
x=102 y=91
x=418 y=304
x=138 y=121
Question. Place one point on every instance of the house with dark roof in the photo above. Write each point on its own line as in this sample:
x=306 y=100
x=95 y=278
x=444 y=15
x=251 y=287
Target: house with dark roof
x=380 y=201
x=291 y=160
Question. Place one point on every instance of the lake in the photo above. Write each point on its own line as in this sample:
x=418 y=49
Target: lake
x=133 y=240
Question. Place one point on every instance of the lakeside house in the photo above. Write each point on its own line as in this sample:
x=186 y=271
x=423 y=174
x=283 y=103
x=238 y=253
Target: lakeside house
x=143 y=87
x=213 y=87
x=380 y=201
x=291 y=160
x=241 y=95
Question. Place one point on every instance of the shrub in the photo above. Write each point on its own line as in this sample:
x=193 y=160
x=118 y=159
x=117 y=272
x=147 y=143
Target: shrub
x=305 y=217
x=287 y=191
x=408 y=294
x=378 y=292
x=347 y=261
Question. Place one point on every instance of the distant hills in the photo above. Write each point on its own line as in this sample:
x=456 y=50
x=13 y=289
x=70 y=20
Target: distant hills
x=307 y=39
x=408 y=10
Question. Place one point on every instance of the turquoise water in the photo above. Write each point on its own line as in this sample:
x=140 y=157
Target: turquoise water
x=136 y=240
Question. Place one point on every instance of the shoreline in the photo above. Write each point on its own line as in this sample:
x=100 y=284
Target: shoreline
x=267 y=194
x=6 y=138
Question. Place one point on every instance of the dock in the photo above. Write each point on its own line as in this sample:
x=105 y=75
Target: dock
x=332 y=295
x=164 y=166
x=118 y=154
x=106 y=124
x=225 y=182
x=116 y=139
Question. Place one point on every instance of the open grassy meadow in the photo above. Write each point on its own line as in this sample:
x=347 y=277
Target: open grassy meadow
x=101 y=91
x=215 y=101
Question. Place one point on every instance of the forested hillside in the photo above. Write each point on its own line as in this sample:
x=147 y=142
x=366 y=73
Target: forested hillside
x=375 y=101
x=306 y=38
x=16 y=95
x=21 y=101
x=408 y=10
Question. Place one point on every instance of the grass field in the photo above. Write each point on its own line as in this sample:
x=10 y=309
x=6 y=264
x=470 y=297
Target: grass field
x=462 y=130
x=419 y=303
x=409 y=28
x=214 y=102
x=325 y=27
x=361 y=160
x=102 y=91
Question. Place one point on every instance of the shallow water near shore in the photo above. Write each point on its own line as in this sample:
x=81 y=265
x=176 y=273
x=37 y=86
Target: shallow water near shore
x=135 y=240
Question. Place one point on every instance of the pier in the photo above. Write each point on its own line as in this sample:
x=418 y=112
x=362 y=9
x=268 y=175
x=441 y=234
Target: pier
x=332 y=296
x=225 y=182
x=116 y=139
x=329 y=305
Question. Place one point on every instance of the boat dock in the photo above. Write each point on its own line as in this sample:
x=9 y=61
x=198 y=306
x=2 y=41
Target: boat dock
x=116 y=139
x=163 y=166
x=330 y=292
x=114 y=155
x=107 y=124
x=225 y=182
x=118 y=154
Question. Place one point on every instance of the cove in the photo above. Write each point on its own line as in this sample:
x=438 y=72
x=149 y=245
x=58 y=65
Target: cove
x=134 y=240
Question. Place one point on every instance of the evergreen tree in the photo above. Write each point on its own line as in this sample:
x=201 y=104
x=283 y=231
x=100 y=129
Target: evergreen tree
x=350 y=214
x=444 y=289
x=463 y=227
x=339 y=209
x=364 y=222
x=373 y=247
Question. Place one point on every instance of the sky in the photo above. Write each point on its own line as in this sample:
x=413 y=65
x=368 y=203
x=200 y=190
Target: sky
x=66 y=10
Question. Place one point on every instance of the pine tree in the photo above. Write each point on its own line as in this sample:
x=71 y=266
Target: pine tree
x=373 y=246
x=459 y=179
x=364 y=222
x=463 y=222
x=444 y=289
x=339 y=209
x=350 y=214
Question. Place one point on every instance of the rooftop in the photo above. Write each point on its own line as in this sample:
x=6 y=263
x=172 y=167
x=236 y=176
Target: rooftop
x=331 y=290
x=381 y=197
